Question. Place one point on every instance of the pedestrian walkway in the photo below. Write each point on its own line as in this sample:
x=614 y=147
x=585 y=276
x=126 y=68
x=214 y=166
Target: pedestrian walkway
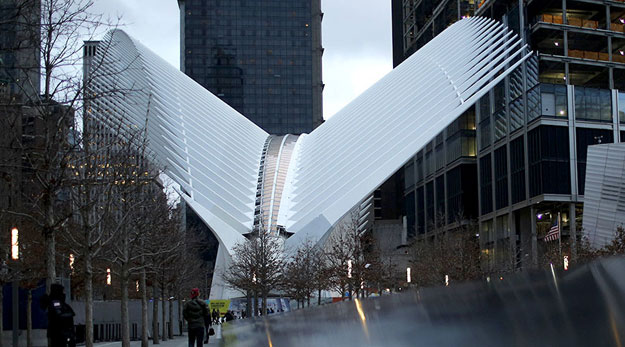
x=177 y=341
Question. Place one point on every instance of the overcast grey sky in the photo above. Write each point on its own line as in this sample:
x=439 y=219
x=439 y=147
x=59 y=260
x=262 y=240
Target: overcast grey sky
x=356 y=37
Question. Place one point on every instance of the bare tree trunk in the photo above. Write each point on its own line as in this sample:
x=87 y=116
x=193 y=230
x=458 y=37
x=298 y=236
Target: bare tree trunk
x=88 y=301
x=248 y=307
x=124 y=306
x=1 y=320
x=50 y=240
x=29 y=319
x=144 y=310
x=255 y=310
x=155 y=339
x=171 y=317
x=164 y=312
x=319 y=298
x=264 y=304
x=179 y=316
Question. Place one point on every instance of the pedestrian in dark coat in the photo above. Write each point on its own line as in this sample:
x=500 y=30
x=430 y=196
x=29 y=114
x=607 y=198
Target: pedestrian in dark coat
x=215 y=317
x=60 y=318
x=195 y=312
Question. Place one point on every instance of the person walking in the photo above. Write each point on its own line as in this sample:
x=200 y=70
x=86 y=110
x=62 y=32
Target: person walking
x=195 y=312
x=60 y=318
x=215 y=317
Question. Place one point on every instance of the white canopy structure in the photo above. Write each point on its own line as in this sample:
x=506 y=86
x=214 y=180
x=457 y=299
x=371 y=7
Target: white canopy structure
x=234 y=175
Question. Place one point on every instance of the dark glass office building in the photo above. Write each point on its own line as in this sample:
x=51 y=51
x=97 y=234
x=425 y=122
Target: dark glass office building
x=517 y=159
x=263 y=58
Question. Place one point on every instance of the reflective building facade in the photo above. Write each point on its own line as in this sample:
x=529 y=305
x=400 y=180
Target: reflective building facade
x=263 y=58
x=518 y=158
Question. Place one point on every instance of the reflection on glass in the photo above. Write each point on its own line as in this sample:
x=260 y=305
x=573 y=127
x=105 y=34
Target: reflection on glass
x=553 y=100
x=621 y=107
x=593 y=104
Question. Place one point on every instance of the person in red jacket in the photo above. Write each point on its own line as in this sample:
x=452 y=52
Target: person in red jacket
x=195 y=313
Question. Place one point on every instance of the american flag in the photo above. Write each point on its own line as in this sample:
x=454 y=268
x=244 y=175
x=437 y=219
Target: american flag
x=554 y=231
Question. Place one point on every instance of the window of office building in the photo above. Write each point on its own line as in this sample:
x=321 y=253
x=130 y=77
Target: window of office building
x=439 y=153
x=440 y=196
x=485 y=133
x=532 y=71
x=501 y=177
x=484 y=121
x=517 y=115
x=409 y=175
x=486 y=186
x=517 y=170
x=429 y=160
x=499 y=116
x=588 y=137
x=501 y=124
x=410 y=214
x=419 y=167
x=533 y=103
x=461 y=137
x=454 y=194
x=429 y=206
x=553 y=100
x=548 y=155
x=420 y=211
x=621 y=107
x=593 y=104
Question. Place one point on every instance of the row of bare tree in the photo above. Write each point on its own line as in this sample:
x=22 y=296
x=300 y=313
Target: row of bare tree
x=348 y=262
x=84 y=193
x=353 y=262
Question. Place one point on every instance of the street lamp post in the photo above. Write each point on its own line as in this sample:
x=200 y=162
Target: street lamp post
x=15 y=255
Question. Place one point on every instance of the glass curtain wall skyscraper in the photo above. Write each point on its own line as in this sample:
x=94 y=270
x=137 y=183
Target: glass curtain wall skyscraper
x=522 y=150
x=263 y=58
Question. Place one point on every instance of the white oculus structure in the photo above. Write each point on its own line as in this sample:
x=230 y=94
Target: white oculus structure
x=230 y=171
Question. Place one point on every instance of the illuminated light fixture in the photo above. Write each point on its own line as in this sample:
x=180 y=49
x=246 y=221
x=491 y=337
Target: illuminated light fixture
x=137 y=285
x=562 y=112
x=621 y=52
x=349 y=269
x=539 y=216
x=71 y=262
x=566 y=263
x=408 y=278
x=447 y=280
x=108 y=276
x=15 y=244
x=622 y=20
x=556 y=43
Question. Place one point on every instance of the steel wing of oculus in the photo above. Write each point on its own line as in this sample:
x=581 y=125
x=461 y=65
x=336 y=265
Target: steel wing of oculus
x=215 y=154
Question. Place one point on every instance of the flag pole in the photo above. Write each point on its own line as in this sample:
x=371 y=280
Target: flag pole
x=559 y=236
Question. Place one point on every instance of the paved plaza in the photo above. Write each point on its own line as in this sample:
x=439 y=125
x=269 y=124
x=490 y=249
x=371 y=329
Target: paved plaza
x=178 y=341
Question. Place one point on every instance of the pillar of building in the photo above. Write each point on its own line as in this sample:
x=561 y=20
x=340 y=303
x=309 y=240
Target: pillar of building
x=573 y=232
x=534 y=241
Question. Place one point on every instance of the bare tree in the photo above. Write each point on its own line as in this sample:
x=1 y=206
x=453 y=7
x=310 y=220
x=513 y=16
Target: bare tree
x=452 y=254
x=345 y=256
x=54 y=31
x=257 y=265
x=299 y=280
